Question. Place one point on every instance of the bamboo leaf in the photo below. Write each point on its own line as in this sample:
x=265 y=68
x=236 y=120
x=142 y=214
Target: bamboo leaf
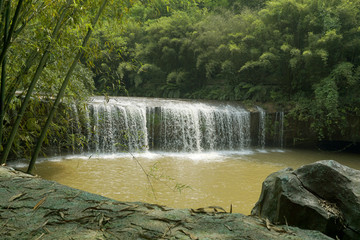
x=39 y=203
x=17 y=196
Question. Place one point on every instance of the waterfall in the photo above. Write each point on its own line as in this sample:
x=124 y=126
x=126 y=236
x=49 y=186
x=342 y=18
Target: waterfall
x=139 y=124
x=262 y=130
x=88 y=128
x=279 y=129
x=75 y=127
x=96 y=129
x=196 y=127
x=118 y=128
x=150 y=125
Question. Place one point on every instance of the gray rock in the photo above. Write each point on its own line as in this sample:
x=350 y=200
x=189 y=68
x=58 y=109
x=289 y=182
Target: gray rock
x=323 y=196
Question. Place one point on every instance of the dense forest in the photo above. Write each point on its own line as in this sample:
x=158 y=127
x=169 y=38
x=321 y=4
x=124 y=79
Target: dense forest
x=300 y=55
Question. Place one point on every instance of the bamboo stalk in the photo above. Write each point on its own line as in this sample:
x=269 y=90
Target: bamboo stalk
x=11 y=31
x=3 y=70
x=63 y=88
x=31 y=88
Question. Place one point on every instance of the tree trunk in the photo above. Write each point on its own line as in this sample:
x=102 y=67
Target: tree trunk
x=63 y=88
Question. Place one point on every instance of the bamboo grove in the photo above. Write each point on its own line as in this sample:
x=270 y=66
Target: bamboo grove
x=38 y=34
x=302 y=55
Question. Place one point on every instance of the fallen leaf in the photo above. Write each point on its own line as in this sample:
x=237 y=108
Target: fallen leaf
x=267 y=223
x=216 y=208
x=40 y=236
x=192 y=237
x=228 y=227
x=46 y=222
x=16 y=196
x=47 y=230
x=39 y=203
x=101 y=220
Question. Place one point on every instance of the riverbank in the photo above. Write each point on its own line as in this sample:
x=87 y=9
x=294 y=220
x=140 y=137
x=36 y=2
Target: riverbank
x=33 y=208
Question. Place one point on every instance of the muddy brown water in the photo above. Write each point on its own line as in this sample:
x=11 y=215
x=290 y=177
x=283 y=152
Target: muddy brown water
x=181 y=180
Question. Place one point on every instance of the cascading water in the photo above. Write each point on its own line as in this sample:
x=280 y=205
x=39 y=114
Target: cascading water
x=75 y=126
x=137 y=124
x=279 y=129
x=88 y=128
x=117 y=128
x=196 y=127
x=262 y=130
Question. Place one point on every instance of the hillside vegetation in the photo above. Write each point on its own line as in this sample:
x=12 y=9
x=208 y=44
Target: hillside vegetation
x=303 y=55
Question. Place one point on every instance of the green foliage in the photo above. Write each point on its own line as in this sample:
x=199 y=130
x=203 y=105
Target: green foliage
x=37 y=38
x=326 y=105
x=302 y=53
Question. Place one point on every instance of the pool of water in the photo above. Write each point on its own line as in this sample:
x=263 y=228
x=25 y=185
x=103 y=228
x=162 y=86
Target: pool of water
x=181 y=180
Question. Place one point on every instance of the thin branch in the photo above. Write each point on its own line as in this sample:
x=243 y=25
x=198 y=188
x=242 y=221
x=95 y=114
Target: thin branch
x=147 y=175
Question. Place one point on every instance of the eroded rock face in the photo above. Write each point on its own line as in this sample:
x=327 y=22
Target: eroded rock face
x=323 y=196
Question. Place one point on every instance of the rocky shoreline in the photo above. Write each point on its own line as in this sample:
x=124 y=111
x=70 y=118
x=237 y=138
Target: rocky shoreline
x=33 y=208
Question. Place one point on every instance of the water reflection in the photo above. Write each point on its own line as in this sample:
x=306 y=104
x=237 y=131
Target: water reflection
x=204 y=179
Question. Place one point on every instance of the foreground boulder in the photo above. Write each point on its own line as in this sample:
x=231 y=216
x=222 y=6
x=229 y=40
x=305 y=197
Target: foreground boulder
x=33 y=208
x=323 y=196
